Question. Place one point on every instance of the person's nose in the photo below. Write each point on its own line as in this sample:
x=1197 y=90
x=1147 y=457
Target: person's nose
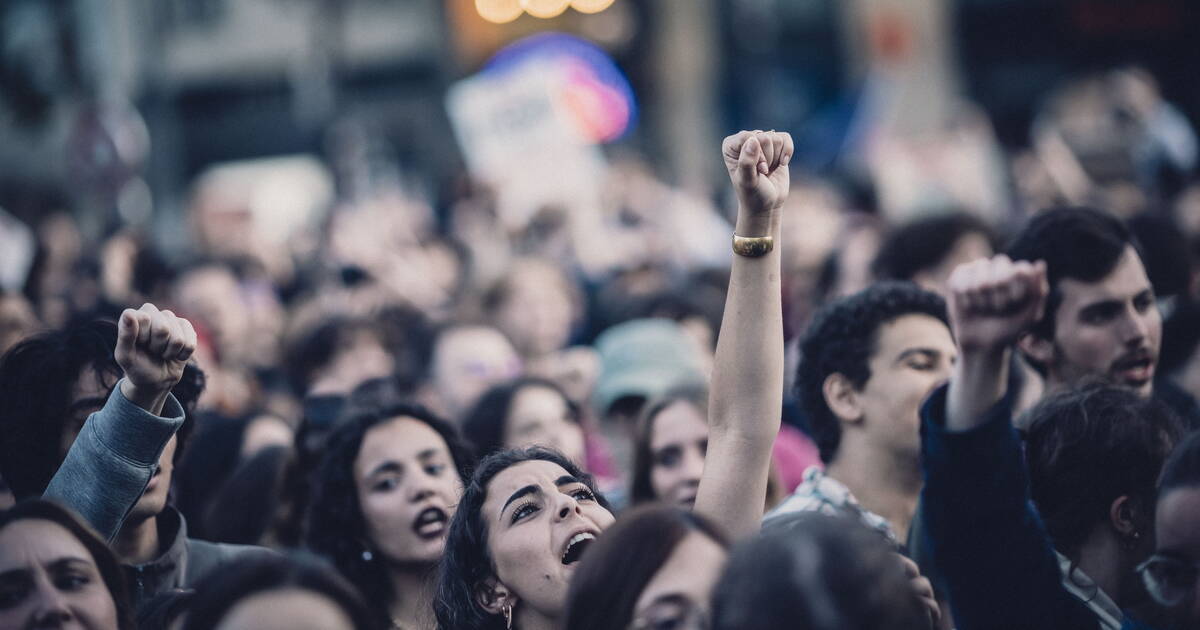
x=50 y=609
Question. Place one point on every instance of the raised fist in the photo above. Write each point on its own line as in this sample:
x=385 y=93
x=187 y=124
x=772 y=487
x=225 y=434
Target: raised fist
x=994 y=300
x=757 y=162
x=153 y=347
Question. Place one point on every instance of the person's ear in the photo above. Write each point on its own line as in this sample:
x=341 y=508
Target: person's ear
x=494 y=597
x=1036 y=348
x=1126 y=520
x=842 y=398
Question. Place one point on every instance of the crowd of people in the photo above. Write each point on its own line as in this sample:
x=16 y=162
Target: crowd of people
x=396 y=421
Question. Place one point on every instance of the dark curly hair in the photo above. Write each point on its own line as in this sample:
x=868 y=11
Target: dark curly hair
x=818 y=572
x=335 y=527
x=1087 y=447
x=485 y=424
x=44 y=368
x=1078 y=243
x=221 y=590
x=467 y=563
x=841 y=340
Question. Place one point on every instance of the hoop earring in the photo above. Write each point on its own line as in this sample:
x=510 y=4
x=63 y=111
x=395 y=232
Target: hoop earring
x=508 y=616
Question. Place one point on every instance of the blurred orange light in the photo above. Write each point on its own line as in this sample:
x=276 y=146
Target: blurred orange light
x=499 y=11
x=590 y=6
x=545 y=8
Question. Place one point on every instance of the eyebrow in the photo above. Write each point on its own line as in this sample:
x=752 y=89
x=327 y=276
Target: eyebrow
x=926 y=351
x=532 y=489
x=523 y=492
x=58 y=563
x=427 y=453
x=388 y=466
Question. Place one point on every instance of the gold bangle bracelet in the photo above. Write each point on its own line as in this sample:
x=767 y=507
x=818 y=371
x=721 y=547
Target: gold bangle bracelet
x=753 y=246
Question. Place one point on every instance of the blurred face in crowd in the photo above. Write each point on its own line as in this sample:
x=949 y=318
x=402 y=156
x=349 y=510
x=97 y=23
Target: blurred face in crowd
x=1110 y=329
x=678 y=594
x=536 y=311
x=969 y=247
x=88 y=395
x=914 y=355
x=211 y=296
x=469 y=360
x=286 y=609
x=539 y=522
x=678 y=443
x=16 y=320
x=48 y=579
x=540 y=416
x=1177 y=531
x=363 y=358
x=408 y=488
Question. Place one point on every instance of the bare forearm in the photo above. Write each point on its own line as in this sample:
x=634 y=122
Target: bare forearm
x=747 y=388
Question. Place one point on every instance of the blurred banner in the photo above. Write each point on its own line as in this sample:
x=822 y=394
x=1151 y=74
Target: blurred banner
x=530 y=123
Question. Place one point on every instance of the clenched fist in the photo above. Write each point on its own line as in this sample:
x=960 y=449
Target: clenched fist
x=757 y=162
x=153 y=347
x=994 y=300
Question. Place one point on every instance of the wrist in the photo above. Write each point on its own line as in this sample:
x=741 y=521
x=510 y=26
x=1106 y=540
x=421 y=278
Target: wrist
x=753 y=224
x=151 y=399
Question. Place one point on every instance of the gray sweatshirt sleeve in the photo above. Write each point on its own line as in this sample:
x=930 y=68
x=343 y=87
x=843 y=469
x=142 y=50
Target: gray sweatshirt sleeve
x=112 y=460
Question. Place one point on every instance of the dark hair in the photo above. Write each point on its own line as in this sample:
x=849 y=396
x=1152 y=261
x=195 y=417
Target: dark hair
x=485 y=424
x=1089 y=446
x=923 y=244
x=106 y=561
x=225 y=587
x=467 y=563
x=1182 y=469
x=335 y=527
x=44 y=368
x=811 y=571
x=841 y=340
x=314 y=350
x=610 y=578
x=1078 y=243
x=641 y=489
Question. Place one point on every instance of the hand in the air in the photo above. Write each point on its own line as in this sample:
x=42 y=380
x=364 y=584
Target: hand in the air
x=757 y=162
x=994 y=300
x=153 y=347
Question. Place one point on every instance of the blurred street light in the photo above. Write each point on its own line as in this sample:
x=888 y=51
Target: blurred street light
x=499 y=11
x=545 y=8
x=590 y=6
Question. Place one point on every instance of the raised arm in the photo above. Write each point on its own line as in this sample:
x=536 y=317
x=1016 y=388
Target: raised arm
x=747 y=382
x=117 y=451
x=992 y=301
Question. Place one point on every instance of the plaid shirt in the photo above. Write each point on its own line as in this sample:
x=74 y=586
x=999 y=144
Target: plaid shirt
x=819 y=493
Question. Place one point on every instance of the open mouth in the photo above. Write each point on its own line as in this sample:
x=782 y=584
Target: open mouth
x=576 y=546
x=431 y=523
x=1139 y=368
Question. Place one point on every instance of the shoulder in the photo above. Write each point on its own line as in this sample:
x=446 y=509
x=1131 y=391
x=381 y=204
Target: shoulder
x=204 y=556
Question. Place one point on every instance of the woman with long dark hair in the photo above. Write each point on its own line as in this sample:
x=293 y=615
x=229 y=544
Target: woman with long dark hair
x=527 y=517
x=384 y=493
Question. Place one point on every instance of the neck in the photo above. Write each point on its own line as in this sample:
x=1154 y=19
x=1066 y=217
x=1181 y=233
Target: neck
x=884 y=483
x=525 y=618
x=412 y=599
x=1099 y=559
x=137 y=542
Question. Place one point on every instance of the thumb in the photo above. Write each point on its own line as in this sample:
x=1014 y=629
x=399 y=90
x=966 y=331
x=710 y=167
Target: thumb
x=127 y=333
x=748 y=161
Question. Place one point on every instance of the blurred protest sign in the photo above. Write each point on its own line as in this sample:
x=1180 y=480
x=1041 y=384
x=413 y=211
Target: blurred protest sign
x=16 y=252
x=529 y=125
